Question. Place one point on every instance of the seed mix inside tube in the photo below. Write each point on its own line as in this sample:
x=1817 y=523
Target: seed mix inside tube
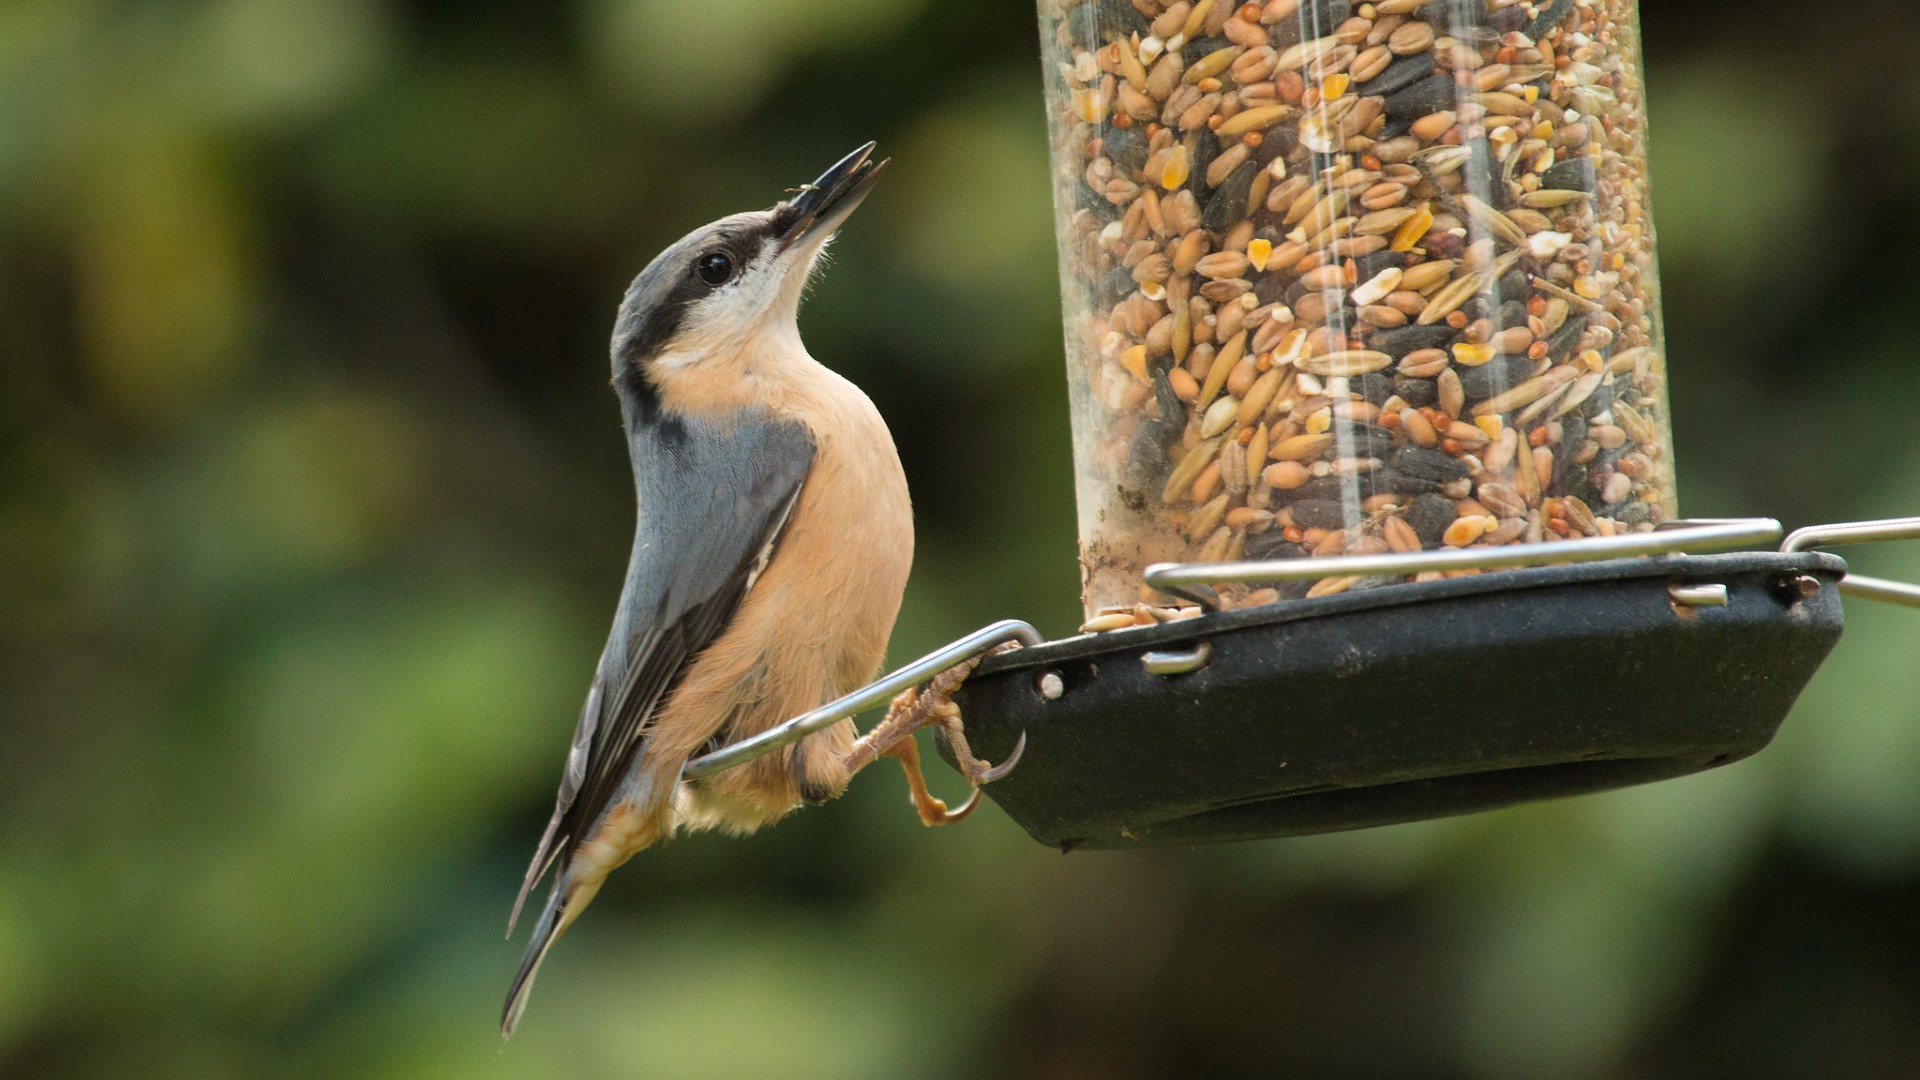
x=1348 y=278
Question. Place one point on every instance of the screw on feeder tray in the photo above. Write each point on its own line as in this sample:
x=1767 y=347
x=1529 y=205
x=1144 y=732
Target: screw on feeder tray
x=1050 y=685
x=1863 y=532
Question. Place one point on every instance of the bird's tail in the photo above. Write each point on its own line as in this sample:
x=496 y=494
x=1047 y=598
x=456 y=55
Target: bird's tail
x=553 y=920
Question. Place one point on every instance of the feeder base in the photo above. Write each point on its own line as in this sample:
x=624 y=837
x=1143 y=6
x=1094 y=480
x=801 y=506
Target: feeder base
x=1407 y=702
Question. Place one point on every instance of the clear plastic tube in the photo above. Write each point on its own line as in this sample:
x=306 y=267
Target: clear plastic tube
x=1353 y=277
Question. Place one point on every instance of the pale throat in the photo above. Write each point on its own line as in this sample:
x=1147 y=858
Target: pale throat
x=744 y=353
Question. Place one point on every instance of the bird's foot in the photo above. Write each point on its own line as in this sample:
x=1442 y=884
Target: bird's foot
x=931 y=707
x=946 y=716
x=931 y=808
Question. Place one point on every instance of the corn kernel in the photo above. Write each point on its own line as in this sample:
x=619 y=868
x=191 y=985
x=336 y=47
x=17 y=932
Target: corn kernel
x=1090 y=106
x=1466 y=530
x=1258 y=252
x=1174 y=173
x=1472 y=354
x=1415 y=228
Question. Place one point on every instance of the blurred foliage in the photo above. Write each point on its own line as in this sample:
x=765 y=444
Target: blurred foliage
x=313 y=507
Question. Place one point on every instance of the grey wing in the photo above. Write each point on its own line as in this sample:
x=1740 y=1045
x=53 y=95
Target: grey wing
x=713 y=498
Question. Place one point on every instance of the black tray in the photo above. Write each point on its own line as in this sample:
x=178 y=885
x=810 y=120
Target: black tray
x=1405 y=702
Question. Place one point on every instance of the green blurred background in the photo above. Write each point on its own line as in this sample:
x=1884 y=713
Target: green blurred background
x=313 y=508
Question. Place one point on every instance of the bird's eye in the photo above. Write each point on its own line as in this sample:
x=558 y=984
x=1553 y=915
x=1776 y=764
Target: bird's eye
x=715 y=267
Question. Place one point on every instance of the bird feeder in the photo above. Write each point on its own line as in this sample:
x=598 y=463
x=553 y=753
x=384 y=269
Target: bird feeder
x=1377 y=505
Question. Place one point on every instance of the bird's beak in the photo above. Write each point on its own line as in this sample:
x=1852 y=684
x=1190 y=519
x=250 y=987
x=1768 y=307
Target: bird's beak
x=823 y=205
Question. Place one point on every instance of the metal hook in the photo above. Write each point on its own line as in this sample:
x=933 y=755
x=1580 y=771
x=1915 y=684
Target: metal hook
x=871 y=696
x=1863 y=532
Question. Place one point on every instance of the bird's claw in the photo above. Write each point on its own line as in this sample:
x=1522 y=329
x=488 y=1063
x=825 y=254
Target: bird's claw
x=951 y=817
x=1005 y=767
x=913 y=709
x=977 y=771
x=932 y=809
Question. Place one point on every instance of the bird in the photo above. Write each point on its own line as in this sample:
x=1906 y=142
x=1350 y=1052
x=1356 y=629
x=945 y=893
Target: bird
x=772 y=546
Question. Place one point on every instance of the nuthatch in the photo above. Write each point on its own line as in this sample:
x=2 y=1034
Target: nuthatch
x=772 y=548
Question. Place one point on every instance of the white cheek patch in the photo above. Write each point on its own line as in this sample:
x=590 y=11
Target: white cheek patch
x=759 y=306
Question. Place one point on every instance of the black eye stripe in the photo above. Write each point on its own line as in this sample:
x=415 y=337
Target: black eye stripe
x=739 y=249
x=659 y=299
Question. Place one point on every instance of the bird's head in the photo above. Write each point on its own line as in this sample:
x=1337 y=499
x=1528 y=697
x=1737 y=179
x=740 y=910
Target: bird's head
x=727 y=285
